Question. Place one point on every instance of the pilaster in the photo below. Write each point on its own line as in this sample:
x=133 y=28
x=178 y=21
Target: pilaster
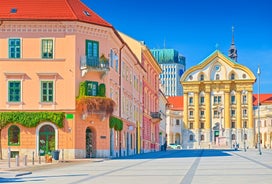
x=238 y=110
x=196 y=107
x=250 y=110
x=207 y=110
x=227 y=110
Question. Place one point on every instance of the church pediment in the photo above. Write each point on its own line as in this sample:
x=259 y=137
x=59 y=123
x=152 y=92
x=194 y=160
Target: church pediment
x=217 y=67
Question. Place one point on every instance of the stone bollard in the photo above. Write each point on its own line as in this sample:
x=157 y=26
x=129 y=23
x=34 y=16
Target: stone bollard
x=39 y=159
x=33 y=158
x=17 y=160
x=9 y=157
x=25 y=160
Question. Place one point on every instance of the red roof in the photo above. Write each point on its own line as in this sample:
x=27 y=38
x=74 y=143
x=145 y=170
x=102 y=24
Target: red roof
x=175 y=102
x=70 y=10
x=264 y=99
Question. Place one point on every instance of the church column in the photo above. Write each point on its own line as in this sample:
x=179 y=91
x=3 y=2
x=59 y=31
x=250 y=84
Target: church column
x=227 y=110
x=207 y=110
x=196 y=108
x=238 y=110
x=250 y=110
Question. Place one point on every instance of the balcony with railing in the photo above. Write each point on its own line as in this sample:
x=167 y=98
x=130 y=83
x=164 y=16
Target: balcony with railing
x=156 y=117
x=92 y=100
x=90 y=63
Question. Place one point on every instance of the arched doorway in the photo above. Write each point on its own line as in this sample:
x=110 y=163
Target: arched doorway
x=90 y=143
x=46 y=140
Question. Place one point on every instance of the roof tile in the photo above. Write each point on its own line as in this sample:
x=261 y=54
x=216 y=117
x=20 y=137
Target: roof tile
x=49 y=10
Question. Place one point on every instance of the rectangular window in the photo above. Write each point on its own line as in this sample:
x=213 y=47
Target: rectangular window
x=245 y=124
x=244 y=112
x=215 y=100
x=14 y=48
x=177 y=121
x=215 y=113
x=47 y=91
x=191 y=126
x=202 y=100
x=191 y=101
x=191 y=114
x=232 y=99
x=14 y=91
x=219 y=99
x=202 y=125
x=202 y=114
x=232 y=124
x=47 y=48
x=232 y=113
x=244 y=99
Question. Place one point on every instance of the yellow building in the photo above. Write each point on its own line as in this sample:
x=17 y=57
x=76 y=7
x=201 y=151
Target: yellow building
x=218 y=108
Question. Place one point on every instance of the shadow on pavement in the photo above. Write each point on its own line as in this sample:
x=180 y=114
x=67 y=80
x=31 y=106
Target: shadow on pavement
x=181 y=154
x=33 y=179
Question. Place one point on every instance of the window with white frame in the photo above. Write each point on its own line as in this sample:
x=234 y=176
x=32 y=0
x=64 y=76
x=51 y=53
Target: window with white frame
x=191 y=114
x=232 y=99
x=233 y=114
x=202 y=100
x=191 y=100
x=14 y=48
x=244 y=99
x=47 y=48
x=217 y=100
x=244 y=112
x=47 y=91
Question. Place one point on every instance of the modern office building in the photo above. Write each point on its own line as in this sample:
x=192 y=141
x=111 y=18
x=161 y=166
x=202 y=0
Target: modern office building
x=173 y=66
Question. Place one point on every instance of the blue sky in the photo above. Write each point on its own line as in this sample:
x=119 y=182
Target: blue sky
x=195 y=27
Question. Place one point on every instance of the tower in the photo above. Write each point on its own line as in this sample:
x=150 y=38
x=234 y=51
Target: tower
x=232 y=50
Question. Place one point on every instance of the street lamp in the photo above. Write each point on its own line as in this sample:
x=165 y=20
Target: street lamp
x=221 y=126
x=244 y=136
x=259 y=141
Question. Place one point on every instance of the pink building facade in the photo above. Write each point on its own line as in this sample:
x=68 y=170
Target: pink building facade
x=69 y=83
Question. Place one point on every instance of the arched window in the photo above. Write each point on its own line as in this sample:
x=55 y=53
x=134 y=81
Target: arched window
x=217 y=77
x=232 y=76
x=201 y=77
x=191 y=137
x=46 y=140
x=233 y=137
x=202 y=137
x=14 y=135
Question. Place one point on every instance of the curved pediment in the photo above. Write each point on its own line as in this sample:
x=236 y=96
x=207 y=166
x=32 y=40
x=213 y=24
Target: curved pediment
x=217 y=67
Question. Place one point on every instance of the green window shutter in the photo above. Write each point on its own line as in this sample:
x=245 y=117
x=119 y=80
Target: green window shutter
x=14 y=90
x=47 y=91
x=83 y=89
x=102 y=90
x=14 y=48
x=47 y=48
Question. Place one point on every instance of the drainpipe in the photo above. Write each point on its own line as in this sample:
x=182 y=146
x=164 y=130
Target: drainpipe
x=120 y=96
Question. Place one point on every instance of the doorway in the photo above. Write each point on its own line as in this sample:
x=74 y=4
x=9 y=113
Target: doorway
x=90 y=143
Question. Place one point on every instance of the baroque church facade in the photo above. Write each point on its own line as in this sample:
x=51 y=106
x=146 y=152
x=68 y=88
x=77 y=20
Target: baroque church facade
x=218 y=103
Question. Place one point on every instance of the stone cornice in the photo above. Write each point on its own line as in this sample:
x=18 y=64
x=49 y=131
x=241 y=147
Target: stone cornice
x=71 y=27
